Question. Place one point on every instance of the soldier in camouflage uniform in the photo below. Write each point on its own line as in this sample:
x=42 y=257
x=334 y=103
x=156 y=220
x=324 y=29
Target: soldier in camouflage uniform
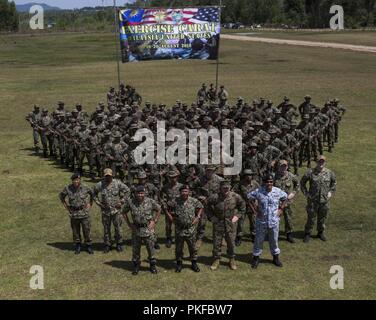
x=322 y=185
x=185 y=215
x=110 y=195
x=246 y=185
x=46 y=137
x=33 y=118
x=225 y=209
x=118 y=150
x=80 y=200
x=170 y=192
x=145 y=213
x=210 y=182
x=289 y=183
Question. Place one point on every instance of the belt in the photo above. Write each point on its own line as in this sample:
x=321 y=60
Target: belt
x=141 y=225
x=77 y=208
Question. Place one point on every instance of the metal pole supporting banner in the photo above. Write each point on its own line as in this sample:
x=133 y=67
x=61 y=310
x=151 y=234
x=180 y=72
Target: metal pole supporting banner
x=117 y=41
x=220 y=22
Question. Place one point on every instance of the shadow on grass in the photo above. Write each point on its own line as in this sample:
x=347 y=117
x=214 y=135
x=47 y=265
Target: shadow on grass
x=69 y=246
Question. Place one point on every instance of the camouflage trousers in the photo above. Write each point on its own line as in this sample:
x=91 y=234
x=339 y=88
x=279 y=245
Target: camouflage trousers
x=77 y=224
x=36 y=138
x=136 y=247
x=224 y=230
x=201 y=226
x=168 y=227
x=241 y=221
x=262 y=230
x=321 y=210
x=94 y=161
x=47 y=142
x=108 y=221
x=179 y=246
x=287 y=216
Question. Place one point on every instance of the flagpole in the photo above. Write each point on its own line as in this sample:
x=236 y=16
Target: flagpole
x=220 y=22
x=117 y=42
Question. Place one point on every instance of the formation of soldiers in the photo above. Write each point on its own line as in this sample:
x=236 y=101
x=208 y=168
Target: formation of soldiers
x=277 y=140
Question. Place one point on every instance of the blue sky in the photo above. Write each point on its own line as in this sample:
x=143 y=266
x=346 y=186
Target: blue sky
x=71 y=4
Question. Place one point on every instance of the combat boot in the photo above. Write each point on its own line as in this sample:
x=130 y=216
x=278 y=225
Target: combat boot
x=253 y=237
x=307 y=237
x=90 y=249
x=156 y=246
x=168 y=242
x=290 y=238
x=233 y=264
x=215 y=264
x=119 y=248
x=238 y=241
x=322 y=236
x=179 y=266
x=44 y=153
x=194 y=266
x=136 y=267
x=276 y=261
x=77 y=248
x=255 y=262
x=153 y=268
x=107 y=249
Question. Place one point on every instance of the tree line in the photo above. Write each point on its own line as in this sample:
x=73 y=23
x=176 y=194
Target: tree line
x=9 y=18
x=299 y=13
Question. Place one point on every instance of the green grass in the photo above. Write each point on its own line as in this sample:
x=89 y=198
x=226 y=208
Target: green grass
x=365 y=38
x=34 y=228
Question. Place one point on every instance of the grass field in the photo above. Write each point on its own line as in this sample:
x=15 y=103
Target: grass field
x=34 y=228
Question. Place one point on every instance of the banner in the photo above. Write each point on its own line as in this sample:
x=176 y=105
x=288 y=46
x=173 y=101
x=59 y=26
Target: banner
x=189 y=33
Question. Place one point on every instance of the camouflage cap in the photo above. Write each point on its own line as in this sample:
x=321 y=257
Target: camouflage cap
x=286 y=98
x=93 y=127
x=253 y=145
x=196 y=125
x=60 y=103
x=117 y=135
x=307 y=97
x=244 y=115
x=107 y=172
x=321 y=158
x=294 y=123
x=44 y=110
x=247 y=172
x=272 y=131
x=173 y=173
x=277 y=111
x=283 y=163
x=268 y=120
x=225 y=183
x=306 y=116
x=74 y=111
x=285 y=127
x=75 y=176
x=107 y=133
x=240 y=99
x=141 y=175
x=212 y=167
x=266 y=138
x=258 y=124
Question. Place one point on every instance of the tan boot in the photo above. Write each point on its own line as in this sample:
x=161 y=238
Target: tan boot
x=215 y=265
x=233 y=264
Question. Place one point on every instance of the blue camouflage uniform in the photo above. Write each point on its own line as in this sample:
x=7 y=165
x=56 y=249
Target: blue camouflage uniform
x=267 y=220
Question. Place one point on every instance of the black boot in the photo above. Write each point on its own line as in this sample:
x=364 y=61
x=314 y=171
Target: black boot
x=153 y=268
x=307 y=237
x=255 y=262
x=107 y=249
x=90 y=249
x=195 y=267
x=156 y=246
x=322 y=236
x=44 y=153
x=290 y=238
x=168 y=242
x=119 y=248
x=77 y=248
x=136 y=267
x=179 y=266
x=276 y=261
x=252 y=237
x=238 y=241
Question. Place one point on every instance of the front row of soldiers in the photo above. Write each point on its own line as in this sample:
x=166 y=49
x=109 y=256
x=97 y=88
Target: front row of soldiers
x=264 y=205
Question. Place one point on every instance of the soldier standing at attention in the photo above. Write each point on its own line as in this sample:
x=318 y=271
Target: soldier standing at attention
x=33 y=118
x=225 y=209
x=270 y=204
x=80 y=200
x=185 y=214
x=289 y=183
x=145 y=213
x=322 y=185
x=112 y=197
